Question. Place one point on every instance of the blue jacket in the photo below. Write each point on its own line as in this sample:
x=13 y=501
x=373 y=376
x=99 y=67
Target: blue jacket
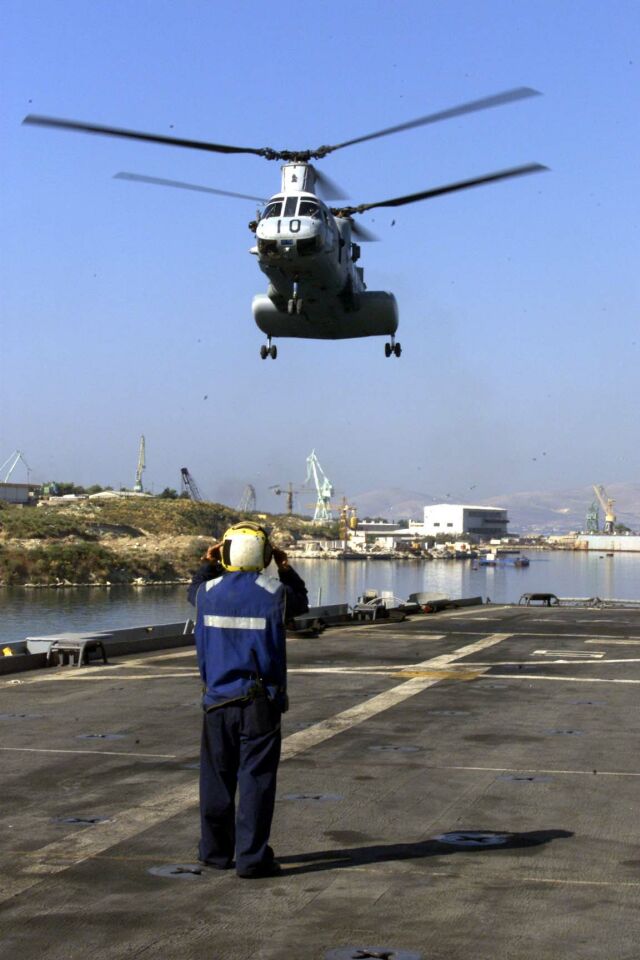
x=240 y=636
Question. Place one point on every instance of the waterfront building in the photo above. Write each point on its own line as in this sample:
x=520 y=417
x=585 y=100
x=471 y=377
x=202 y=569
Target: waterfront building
x=464 y=520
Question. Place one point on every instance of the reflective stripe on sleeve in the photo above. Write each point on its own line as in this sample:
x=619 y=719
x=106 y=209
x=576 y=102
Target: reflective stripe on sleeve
x=212 y=583
x=235 y=623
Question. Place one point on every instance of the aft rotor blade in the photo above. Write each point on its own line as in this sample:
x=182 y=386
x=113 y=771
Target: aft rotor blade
x=161 y=182
x=439 y=191
x=472 y=106
x=80 y=127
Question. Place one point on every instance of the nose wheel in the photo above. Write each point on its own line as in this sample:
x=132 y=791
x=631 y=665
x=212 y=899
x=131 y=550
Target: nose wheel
x=392 y=348
x=268 y=350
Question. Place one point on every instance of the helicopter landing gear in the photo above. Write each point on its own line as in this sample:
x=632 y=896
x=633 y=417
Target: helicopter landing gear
x=295 y=303
x=268 y=350
x=392 y=348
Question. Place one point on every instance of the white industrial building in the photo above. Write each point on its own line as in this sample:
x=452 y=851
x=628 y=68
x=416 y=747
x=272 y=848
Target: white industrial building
x=463 y=520
x=21 y=493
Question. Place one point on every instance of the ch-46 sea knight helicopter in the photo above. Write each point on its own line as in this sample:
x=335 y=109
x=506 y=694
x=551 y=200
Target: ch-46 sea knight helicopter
x=306 y=249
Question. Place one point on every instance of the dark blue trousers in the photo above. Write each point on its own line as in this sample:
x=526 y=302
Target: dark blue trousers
x=240 y=749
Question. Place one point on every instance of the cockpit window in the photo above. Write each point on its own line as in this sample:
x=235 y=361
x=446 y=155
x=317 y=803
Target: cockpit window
x=309 y=208
x=272 y=210
x=290 y=205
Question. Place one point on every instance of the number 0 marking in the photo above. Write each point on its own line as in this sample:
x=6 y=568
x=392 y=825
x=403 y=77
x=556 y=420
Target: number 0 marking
x=296 y=228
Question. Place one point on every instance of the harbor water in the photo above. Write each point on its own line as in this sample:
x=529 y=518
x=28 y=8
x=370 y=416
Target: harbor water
x=32 y=612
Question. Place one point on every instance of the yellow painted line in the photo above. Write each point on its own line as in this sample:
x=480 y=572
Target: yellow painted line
x=441 y=674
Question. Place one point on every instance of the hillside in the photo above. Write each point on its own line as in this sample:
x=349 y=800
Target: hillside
x=119 y=541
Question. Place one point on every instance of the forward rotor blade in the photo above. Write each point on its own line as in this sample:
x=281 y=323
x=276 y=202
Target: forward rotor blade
x=161 y=182
x=439 y=191
x=363 y=234
x=497 y=100
x=329 y=189
x=80 y=127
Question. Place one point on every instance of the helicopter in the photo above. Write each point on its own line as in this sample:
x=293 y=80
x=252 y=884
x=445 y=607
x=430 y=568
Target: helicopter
x=308 y=250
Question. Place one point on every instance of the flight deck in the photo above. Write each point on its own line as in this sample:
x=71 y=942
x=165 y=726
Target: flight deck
x=458 y=785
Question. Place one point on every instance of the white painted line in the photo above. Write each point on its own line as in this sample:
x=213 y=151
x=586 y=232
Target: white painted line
x=537 y=663
x=568 y=653
x=538 y=676
x=77 y=847
x=625 y=642
x=585 y=883
x=108 y=753
x=585 y=773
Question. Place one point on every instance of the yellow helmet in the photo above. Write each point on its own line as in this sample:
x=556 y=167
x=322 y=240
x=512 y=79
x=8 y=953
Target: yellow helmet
x=245 y=547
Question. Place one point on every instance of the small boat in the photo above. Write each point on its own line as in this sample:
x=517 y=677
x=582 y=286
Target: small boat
x=498 y=557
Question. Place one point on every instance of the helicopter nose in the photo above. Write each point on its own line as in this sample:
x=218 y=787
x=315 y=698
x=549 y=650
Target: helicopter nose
x=300 y=236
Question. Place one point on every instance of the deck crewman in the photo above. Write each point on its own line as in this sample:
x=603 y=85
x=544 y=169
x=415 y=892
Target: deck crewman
x=240 y=642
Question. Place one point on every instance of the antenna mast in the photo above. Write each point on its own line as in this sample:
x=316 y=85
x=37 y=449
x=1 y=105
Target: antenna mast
x=137 y=487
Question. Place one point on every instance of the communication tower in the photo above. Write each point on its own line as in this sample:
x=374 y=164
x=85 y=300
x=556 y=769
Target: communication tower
x=137 y=487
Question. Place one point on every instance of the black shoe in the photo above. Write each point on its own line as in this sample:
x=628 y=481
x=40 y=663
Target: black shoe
x=271 y=869
x=215 y=866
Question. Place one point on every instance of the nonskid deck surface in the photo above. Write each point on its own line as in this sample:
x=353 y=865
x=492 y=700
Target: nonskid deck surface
x=513 y=729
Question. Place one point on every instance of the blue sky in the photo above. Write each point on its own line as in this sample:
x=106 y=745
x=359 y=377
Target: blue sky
x=125 y=305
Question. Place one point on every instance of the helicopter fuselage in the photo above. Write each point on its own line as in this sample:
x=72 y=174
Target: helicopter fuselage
x=316 y=291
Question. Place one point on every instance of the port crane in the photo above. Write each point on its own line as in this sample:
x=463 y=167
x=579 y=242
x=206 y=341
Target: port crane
x=137 y=487
x=289 y=492
x=15 y=458
x=348 y=520
x=593 y=518
x=324 y=489
x=190 y=486
x=306 y=249
x=248 y=500
x=607 y=505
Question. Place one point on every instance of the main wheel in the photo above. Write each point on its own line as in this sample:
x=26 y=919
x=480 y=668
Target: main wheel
x=291 y=306
x=273 y=351
x=397 y=349
x=299 y=305
x=387 y=349
x=264 y=352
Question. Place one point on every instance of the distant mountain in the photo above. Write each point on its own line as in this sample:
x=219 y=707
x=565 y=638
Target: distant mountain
x=392 y=503
x=533 y=511
x=561 y=511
